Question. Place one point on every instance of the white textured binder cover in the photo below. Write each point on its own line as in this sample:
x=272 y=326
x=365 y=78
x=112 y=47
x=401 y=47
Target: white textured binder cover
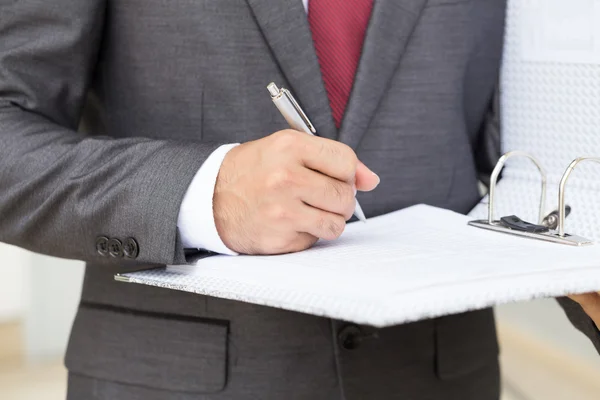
x=551 y=108
x=416 y=263
x=424 y=262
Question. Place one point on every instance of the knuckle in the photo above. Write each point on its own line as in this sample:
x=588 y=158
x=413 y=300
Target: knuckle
x=334 y=189
x=279 y=245
x=348 y=159
x=301 y=241
x=331 y=227
x=349 y=154
x=336 y=227
x=308 y=241
x=327 y=150
x=349 y=166
x=343 y=195
x=286 y=140
x=321 y=223
x=280 y=179
x=278 y=213
x=332 y=148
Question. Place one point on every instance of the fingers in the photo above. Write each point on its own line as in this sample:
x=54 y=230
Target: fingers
x=283 y=243
x=283 y=192
x=366 y=180
x=302 y=241
x=329 y=157
x=590 y=302
x=339 y=161
x=320 y=224
x=580 y=298
x=312 y=196
x=328 y=194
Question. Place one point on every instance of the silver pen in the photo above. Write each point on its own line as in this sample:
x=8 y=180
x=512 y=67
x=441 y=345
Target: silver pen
x=297 y=119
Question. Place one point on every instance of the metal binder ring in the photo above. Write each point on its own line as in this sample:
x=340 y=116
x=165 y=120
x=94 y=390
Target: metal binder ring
x=561 y=191
x=496 y=173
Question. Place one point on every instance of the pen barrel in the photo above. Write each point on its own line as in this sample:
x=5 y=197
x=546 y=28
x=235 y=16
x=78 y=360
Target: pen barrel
x=290 y=114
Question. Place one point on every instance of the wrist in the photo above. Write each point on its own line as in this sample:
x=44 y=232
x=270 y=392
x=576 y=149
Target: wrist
x=196 y=221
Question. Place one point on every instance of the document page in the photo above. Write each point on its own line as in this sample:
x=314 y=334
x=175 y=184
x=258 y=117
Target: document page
x=411 y=264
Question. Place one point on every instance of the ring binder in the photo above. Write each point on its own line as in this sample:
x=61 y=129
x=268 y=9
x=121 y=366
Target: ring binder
x=496 y=173
x=561 y=191
x=555 y=234
x=551 y=220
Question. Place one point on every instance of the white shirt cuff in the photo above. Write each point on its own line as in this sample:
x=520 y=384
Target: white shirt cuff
x=196 y=220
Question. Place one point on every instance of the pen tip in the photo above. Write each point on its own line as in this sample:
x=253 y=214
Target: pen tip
x=359 y=213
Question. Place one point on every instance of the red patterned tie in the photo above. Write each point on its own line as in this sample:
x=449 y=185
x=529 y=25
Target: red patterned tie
x=338 y=30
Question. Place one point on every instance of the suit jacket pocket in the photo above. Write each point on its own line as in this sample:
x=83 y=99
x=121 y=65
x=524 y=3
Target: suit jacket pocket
x=157 y=351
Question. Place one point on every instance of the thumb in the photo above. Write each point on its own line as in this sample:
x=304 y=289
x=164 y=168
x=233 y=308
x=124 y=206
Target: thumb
x=590 y=302
x=366 y=180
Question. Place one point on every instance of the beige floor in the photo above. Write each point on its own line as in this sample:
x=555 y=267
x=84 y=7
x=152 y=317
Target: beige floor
x=534 y=370
x=20 y=381
x=45 y=381
x=531 y=371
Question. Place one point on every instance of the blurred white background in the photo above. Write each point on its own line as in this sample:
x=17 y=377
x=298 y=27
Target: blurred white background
x=42 y=293
x=38 y=300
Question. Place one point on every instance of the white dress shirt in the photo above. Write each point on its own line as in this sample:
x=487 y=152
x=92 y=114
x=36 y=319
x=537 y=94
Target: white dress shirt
x=196 y=220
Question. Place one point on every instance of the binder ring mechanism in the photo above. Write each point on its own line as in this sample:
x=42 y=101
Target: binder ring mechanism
x=550 y=228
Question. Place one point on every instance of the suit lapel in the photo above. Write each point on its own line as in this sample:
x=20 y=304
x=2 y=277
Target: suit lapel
x=285 y=27
x=391 y=25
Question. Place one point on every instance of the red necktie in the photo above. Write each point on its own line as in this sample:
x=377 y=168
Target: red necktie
x=338 y=30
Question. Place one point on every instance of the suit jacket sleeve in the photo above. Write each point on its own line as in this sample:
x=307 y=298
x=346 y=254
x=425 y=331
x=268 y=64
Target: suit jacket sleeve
x=59 y=190
x=488 y=143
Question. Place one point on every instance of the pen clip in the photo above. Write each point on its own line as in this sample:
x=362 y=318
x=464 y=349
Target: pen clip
x=299 y=110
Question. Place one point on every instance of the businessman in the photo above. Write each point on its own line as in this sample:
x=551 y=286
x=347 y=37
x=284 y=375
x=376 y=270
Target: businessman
x=134 y=130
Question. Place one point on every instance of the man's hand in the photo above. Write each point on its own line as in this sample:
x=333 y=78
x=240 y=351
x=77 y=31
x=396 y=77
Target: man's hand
x=281 y=193
x=590 y=302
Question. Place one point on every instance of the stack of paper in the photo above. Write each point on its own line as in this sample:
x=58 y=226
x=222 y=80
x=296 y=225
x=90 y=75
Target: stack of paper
x=411 y=264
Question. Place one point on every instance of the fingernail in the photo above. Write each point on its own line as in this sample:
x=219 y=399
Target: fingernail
x=354 y=188
x=376 y=176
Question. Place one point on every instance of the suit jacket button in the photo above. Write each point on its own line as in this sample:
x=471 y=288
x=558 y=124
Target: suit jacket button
x=115 y=248
x=102 y=245
x=131 y=248
x=349 y=337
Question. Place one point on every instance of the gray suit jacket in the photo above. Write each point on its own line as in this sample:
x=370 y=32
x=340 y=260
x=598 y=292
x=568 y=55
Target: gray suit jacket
x=160 y=85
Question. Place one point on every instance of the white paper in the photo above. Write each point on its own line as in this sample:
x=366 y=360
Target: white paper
x=411 y=264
